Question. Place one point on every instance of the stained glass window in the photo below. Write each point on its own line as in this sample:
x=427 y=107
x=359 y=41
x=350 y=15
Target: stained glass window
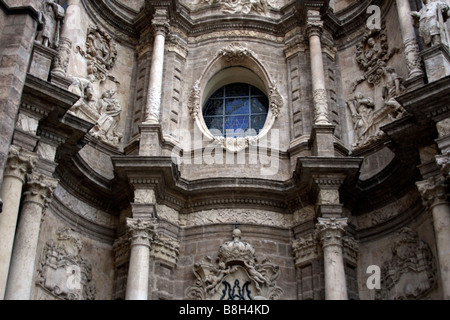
x=236 y=110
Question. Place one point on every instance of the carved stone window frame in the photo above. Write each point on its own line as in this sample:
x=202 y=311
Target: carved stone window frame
x=234 y=57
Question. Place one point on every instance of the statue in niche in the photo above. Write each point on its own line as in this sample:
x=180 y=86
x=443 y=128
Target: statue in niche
x=51 y=16
x=109 y=108
x=393 y=88
x=362 y=110
x=431 y=22
x=411 y=273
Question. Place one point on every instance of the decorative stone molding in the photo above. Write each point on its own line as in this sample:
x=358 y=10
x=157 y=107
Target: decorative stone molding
x=62 y=271
x=261 y=7
x=305 y=249
x=235 y=52
x=433 y=191
x=19 y=163
x=165 y=248
x=237 y=276
x=411 y=273
x=231 y=216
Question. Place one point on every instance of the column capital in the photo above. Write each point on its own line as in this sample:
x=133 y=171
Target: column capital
x=433 y=191
x=140 y=231
x=314 y=29
x=314 y=24
x=330 y=231
x=160 y=22
x=39 y=189
x=20 y=162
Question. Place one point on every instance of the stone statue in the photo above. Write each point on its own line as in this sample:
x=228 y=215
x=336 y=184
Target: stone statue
x=109 y=109
x=393 y=88
x=85 y=107
x=51 y=16
x=431 y=22
x=362 y=110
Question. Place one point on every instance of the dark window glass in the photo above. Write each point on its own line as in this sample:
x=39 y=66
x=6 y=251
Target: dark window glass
x=236 y=110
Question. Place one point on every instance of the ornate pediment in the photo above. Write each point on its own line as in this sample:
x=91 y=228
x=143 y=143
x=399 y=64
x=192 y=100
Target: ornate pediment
x=236 y=276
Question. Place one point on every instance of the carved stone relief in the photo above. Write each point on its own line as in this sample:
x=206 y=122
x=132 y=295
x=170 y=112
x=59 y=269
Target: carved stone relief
x=261 y=7
x=411 y=273
x=62 y=271
x=101 y=53
x=237 y=275
x=369 y=114
x=104 y=112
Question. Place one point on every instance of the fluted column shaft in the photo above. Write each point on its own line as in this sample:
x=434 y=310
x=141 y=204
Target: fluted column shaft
x=19 y=163
x=38 y=193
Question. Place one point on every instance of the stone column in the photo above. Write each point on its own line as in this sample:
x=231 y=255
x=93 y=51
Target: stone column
x=411 y=46
x=323 y=131
x=314 y=31
x=434 y=195
x=141 y=233
x=161 y=29
x=330 y=232
x=37 y=194
x=19 y=163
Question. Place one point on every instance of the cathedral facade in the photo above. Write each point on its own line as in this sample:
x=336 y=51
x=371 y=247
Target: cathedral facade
x=224 y=150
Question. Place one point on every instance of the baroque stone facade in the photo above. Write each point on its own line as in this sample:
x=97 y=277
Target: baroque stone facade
x=224 y=150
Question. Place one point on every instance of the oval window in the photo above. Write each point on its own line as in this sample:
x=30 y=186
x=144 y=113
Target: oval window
x=235 y=111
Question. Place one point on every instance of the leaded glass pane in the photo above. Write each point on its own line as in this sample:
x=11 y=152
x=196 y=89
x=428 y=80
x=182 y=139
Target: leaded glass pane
x=215 y=123
x=237 y=90
x=236 y=110
x=260 y=105
x=237 y=106
x=213 y=108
